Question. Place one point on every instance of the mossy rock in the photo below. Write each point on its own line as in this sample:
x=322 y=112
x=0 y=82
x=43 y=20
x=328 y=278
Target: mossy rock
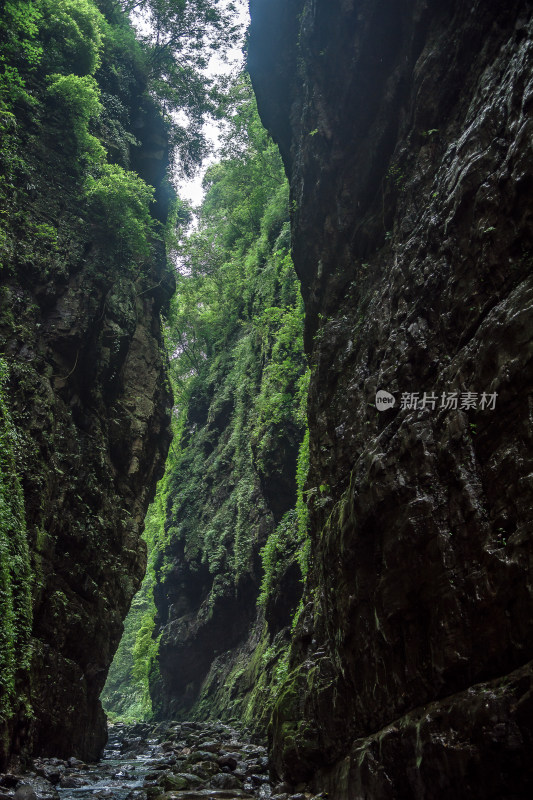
x=296 y=746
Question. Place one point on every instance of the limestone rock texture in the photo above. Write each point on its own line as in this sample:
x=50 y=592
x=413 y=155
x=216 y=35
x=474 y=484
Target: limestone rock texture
x=406 y=130
x=80 y=331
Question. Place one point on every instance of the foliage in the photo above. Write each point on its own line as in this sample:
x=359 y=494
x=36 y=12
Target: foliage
x=79 y=64
x=71 y=32
x=274 y=552
x=182 y=37
x=92 y=72
x=15 y=574
x=234 y=332
x=83 y=37
x=121 y=202
x=292 y=533
x=302 y=509
x=79 y=99
x=20 y=50
x=283 y=394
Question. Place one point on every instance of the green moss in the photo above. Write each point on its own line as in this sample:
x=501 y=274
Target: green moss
x=15 y=572
x=126 y=695
x=240 y=381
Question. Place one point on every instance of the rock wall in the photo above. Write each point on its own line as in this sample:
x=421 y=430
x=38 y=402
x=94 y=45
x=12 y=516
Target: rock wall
x=223 y=503
x=227 y=579
x=90 y=403
x=405 y=129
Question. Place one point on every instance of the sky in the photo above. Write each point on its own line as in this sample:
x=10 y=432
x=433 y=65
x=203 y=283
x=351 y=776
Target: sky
x=191 y=189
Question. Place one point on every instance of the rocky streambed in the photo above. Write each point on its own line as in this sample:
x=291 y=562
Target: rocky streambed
x=167 y=761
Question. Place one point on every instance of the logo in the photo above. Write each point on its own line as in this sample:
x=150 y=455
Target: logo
x=449 y=401
x=384 y=400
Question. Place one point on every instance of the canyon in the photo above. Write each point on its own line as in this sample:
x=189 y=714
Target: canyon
x=350 y=579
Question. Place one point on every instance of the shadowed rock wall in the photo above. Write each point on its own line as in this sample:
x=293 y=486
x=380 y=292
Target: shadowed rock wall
x=407 y=135
x=80 y=334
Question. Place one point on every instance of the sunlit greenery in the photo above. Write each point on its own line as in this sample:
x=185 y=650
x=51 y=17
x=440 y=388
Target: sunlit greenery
x=238 y=370
x=74 y=80
x=121 y=202
x=78 y=91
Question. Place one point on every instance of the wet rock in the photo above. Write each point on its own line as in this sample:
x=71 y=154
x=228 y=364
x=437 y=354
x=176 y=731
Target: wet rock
x=75 y=763
x=208 y=794
x=71 y=782
x=201 y=773
x=420 y=585
x=204 y=769
x=225 y=781
x=49 y=772
x=169 y=762
x=250 y=767
x=25 y=792
x=252 y=749
x=181 y=781
x=44 y=789
x=136 y=794
x=227 y=761
x=203 y=755
x=258 y=780
x=9 y=780
x=153 y=775
x=211 y=747
x=283 y=788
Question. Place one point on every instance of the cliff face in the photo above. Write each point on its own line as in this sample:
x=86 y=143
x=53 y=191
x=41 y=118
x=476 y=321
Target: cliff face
x=213 y=636
x=227 y=493
x=406 y=128
x=89 y=404
x=225 y=524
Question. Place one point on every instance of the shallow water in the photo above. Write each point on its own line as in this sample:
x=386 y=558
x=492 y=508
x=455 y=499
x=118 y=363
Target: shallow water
x=182 y=761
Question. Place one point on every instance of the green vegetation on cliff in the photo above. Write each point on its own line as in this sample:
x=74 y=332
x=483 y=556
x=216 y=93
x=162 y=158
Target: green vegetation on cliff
x=15 y=573
x=230 y=514
x=87 y=133
x=88 y=128
x=68 y=73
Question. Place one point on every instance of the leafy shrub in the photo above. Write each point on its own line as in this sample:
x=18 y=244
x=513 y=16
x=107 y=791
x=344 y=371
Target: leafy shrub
x=72 y=36
x=21 y=51
x=79 y=99
x=302 y=509
x=279 y=545
x=121 y=200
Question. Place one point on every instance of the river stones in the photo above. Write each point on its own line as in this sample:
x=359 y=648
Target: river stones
x=25 y=792
x=230 y=761
x=225 y=780
x=167 y=761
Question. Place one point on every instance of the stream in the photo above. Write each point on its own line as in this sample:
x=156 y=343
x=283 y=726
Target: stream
x=169 y=760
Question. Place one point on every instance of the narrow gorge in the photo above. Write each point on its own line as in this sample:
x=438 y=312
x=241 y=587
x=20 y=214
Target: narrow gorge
x=266 y=479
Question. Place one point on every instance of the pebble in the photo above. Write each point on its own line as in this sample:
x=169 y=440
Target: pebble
x=163 y=761
x=25 y=793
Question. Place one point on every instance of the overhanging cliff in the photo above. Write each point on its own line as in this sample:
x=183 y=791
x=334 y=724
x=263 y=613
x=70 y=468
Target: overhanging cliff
x=406 y=128
x=86 y=404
